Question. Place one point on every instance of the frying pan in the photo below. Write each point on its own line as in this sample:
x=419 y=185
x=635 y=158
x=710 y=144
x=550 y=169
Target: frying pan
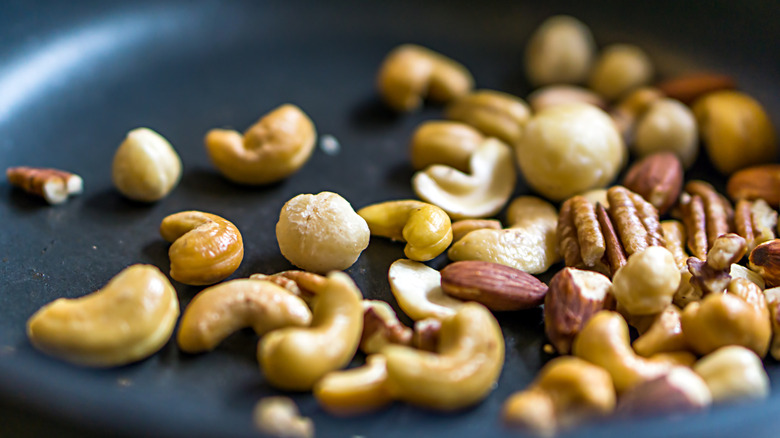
x=76 y=76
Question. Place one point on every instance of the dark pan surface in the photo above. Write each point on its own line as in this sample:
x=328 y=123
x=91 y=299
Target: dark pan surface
x=76 y=76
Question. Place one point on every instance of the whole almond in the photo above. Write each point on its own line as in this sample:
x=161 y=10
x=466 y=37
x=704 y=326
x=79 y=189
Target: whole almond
x=573 y=298
x=497 y=286
x=756 y=182
x=658 y=178
x=689 y=87
x=765 y=259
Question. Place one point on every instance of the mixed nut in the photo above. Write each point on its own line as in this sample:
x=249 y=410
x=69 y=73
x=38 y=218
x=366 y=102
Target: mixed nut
x=704 y=321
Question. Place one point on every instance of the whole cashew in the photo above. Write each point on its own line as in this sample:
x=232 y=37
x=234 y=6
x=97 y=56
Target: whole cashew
x=295 y=358
x=417 y=289
x=270 y=150
x=127 y=320
x=206 y=248
x=426 y=228
x=355 y=391
x=461 y=373
x=218 y=311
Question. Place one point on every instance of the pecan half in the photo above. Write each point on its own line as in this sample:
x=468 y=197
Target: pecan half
x=713 y=275
x=755 y=221
x=635 y=219
x=706 y=215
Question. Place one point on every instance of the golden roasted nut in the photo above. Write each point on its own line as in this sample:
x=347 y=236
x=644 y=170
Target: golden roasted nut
x=218 y=311
x=561 y=50
x=664 y=335
x=494 y=113
x=127 y=320
x=321 y=233
x=272 y=149
x=667 y=126
x=355 y=391
x=145 y=167
x=678 y=391
x=296 y=358
x=206 y=248
x=444 y=142
x=279 y=417
x=410 y=73
x=53 y=185
x=426 y=228
x=619 y=69
x=417 y=289
x=461 y=373
x=733 y=373
x=735 y=129
x=647 y=283
x=552 y=95
x=464 y=226
x=498 y=287
x=568 y=391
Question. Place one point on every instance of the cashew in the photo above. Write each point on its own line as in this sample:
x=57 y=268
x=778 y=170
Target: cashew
x=604 y=341
x=206 y=248
x=733 y=373
x=530 y=244
x=355 y=391
x=410 y=73
x=494 y=113
x=561 y=50
x=482 y=193
x=216 y=312
x=426 y=228
x=127 y=320
x=444 y=142
x=145 y=167
x=619 y=69
x=664 y=335
x=279 y=417
x=417 y=288
x=647 y=283
x=270 y=150
x=568 y=391
x=461 y=373
x=295 y=358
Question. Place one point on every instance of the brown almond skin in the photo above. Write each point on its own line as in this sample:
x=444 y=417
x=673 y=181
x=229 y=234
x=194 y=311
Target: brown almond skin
x=689 y=87
x=756 y=182
x=566 y=309
x=658 y=178
x=765 y=259
x=494 y=285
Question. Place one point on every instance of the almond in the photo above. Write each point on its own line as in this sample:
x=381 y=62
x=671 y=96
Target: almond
x=765 y=259
x=497 y=286
x=756 y=182
x=658 y=178
x=687 y=88
x=573 y=298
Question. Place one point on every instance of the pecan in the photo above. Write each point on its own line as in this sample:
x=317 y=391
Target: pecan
x=755 y=221
x=756 y=182
x=381 y=327
x=713 y=275
x=674 y=236
x=706 y=214
x=575 y=244
x=54 y=185
x=616 y=256
x=636 y=220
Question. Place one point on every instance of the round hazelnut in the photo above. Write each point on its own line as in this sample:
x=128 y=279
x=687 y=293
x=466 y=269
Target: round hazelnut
x=668 y=125
x=619 y=69
x=647 y=282
x=561 y=50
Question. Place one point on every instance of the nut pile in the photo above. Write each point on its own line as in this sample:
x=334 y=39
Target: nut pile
x=695 y=273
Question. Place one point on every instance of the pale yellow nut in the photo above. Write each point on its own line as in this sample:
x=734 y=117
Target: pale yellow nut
x=604 y=341
x=773 y=303
x=296 y=358
x=619 y=69
x=647 y=283
x=739 y=271
x=127 y=320
x=417 y=289
x=568 y=149
x=494 y=113
x=145 y=167
x=321 y=233
x=411 y=73
x=552 y=95
x=279 y=417
x=218 y=311
x=561 y=50
x=464 y=226
x=733 y=373
x=355 y=391
x=736 y=130
x=426 y=228
x=531 y=211
x=568 y=391
x=481 y=193
x=667 y=125
x=444 y=142
x=664 y=335
x=206 y=248
x=460 y=373
x=272 y=149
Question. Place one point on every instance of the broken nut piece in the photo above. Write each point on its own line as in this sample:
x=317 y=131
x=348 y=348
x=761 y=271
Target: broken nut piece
x=279 y=417
x=765 y=259
x=678 y=391
x=382 y=327
x=53 y=185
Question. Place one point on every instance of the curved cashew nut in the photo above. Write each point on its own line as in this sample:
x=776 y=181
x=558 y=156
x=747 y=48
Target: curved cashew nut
x=530 y=244
x=468 y=362
x=355 y=391
x=127 y=320
x=567 y=391
x=218 y=311
x=482 y=193
x=664 y=335
x=295 y=358
x=417 y=289
x=426 y=229
x=270 y=150
x=279 y=416
x=604 y=341
x=410 y=72
x=206 y=248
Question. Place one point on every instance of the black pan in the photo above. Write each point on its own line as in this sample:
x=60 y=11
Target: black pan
x=76 y=76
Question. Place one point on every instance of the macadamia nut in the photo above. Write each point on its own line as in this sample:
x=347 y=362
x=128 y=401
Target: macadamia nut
x=619 y=69
x=648 y=281
x=570 y=148
x=146 y=167
x=321 y=232
x=560 y=51
x=668 y=125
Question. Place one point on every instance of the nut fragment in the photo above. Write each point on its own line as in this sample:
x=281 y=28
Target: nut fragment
x=444 y=142
x=552 y=95
x=279 y=417
x=619 y=69
x=272 y=149
x=53 y=185
x=765 y=259
x=658 y=178
x=410 y=73
x=755 y=221
x=205 y=249
x=647 y=283
x=494 y=113
x=689 y=87
x=664 y=335
x=381 y=327
x=464 y=226
x=733 y=373
x=561 y=50
x=145 y=167
x=756 y=182
x=302 y=284
x=355 y=391
x=426 y=334
x=127 y=320
x=573 y=298
x=417 y=289
x=669 y=126
x=494 y=285
x=713 y=276
x=678 y=391
x=321 y=233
